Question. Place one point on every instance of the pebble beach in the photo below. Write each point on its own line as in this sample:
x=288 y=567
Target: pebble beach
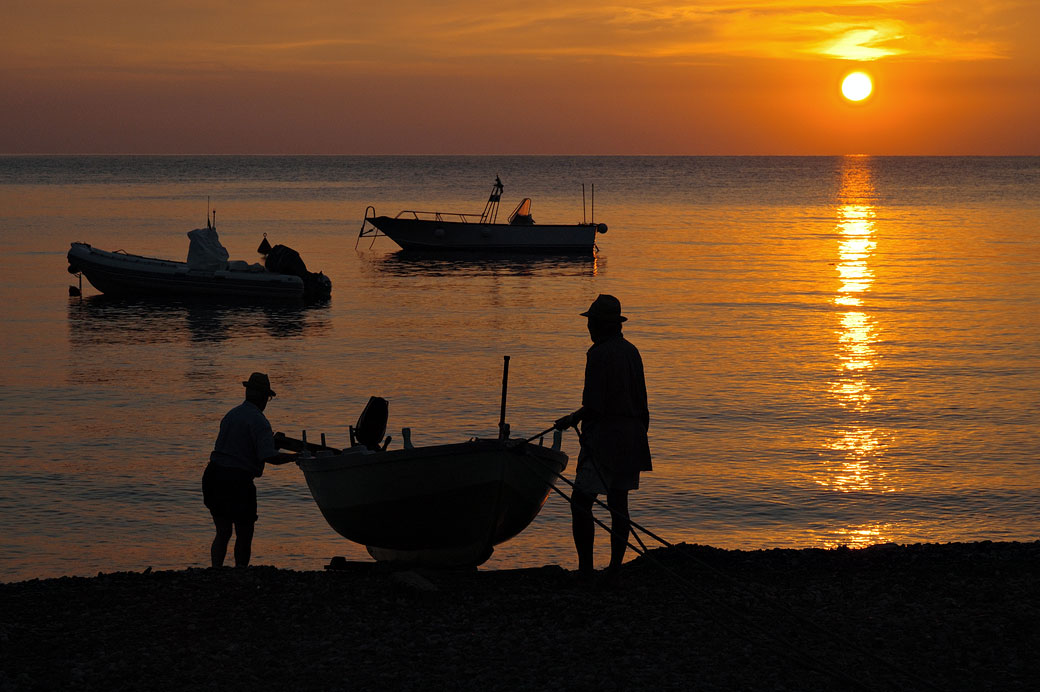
x=957 y=616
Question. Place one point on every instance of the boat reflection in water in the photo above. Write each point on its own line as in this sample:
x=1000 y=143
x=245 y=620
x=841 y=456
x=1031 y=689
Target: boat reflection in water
x=105 y=319
x=856 y=450
x=427 y=263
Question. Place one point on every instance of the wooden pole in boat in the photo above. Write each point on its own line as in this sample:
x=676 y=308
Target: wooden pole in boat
x=503 y=427
x=545 y=432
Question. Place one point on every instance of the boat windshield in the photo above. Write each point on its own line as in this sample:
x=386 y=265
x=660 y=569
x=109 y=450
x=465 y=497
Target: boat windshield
x=521 y=216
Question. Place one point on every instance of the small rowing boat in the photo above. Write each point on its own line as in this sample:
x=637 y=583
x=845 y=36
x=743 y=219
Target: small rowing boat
x=438 y=505
x=441 y=505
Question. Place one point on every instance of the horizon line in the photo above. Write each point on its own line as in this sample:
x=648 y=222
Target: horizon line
x=464 y=155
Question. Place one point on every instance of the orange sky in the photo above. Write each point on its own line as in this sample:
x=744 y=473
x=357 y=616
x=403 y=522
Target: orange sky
x=533 y=77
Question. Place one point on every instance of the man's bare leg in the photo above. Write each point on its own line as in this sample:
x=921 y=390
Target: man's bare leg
x=218 y=550
x=243 y=543
x=620 y=527
x=583 y=529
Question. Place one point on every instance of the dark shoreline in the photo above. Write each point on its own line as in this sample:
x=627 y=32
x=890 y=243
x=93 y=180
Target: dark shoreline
x=958 y=616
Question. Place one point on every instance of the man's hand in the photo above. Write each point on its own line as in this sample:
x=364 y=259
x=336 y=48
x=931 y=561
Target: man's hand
x=282 y=458
x=568 y=421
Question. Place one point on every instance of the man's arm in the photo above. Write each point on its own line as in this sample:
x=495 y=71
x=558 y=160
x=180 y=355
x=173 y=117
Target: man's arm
x=281 y=458
x=570 y=420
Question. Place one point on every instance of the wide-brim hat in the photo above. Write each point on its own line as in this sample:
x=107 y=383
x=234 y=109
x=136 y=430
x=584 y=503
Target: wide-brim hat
x=259 y=382
x=605 y=308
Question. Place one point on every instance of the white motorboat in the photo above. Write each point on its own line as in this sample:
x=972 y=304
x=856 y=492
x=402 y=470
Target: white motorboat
x=213 y=276
x=455 y=231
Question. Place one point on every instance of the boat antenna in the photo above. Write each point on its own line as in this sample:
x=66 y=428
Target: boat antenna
x=490 y=214
x=583 y=202
x=208 y=225
x=593 y=202
x=503 y=427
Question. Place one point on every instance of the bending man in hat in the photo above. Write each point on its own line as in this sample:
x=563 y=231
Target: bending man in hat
x=244 y=445
x=614 y=445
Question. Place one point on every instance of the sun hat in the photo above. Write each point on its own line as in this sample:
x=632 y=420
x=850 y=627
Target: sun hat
x=259 y=382
x=606 y=308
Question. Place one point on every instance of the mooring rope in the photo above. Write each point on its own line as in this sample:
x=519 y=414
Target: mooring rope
x=784 y=647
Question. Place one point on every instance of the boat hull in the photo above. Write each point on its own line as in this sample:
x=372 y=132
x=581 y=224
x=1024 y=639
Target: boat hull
x=429 y=234
x=445 y=504
x=116 y=273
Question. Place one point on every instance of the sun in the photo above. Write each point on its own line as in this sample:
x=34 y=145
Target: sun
x=856 y=86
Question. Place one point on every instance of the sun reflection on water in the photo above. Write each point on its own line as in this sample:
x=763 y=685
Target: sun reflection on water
x=856 y=225
x=855 y=450
x=858 y=536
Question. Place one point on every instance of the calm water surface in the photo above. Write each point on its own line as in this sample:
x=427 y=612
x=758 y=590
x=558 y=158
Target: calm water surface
x=838 y=350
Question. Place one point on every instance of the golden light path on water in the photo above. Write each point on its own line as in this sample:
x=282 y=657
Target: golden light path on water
x=857 y=446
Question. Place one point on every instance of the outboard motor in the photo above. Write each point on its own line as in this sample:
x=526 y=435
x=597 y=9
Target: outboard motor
x=371 y=424
x=282 y=259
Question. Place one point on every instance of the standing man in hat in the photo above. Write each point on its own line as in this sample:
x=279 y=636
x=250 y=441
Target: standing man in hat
x=614 y=445
x=244 y=445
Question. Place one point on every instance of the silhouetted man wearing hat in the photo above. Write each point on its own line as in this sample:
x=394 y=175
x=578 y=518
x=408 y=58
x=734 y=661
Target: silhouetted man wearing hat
x=614 y=445
x=244 y=445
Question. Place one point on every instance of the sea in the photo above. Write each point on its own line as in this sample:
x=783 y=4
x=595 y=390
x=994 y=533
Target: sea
x=839 y=351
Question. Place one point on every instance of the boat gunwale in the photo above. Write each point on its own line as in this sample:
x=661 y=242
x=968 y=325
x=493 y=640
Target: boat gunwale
x=123 y=255
x=476 y=224
x=355 y=457
x=112 y=261
x=117 y=256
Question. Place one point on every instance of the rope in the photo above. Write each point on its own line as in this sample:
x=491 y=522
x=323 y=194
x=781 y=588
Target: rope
x=773 y=641
x=783 y=648
x=633 y=525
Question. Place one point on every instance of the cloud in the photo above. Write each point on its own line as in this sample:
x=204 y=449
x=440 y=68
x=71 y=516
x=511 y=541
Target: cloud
x=850 y=30
x=862 y=43
x=413 y=34
x=946 y=30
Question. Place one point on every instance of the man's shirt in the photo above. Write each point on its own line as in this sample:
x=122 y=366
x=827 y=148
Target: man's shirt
x=616 y=417
x=245 y=440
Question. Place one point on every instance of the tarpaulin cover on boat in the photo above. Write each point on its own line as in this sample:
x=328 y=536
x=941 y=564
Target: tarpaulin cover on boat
x=205 y=250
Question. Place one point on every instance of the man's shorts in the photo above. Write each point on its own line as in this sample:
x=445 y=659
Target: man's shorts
x=229 y=493
x=591 y=479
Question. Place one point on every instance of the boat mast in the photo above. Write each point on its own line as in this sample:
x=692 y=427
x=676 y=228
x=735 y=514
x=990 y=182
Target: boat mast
x=490 y=214
x=211 y=216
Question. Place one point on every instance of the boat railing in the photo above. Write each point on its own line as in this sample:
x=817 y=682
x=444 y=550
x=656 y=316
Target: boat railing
x=445 y=216
x=373 y=232
x=442 y=216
